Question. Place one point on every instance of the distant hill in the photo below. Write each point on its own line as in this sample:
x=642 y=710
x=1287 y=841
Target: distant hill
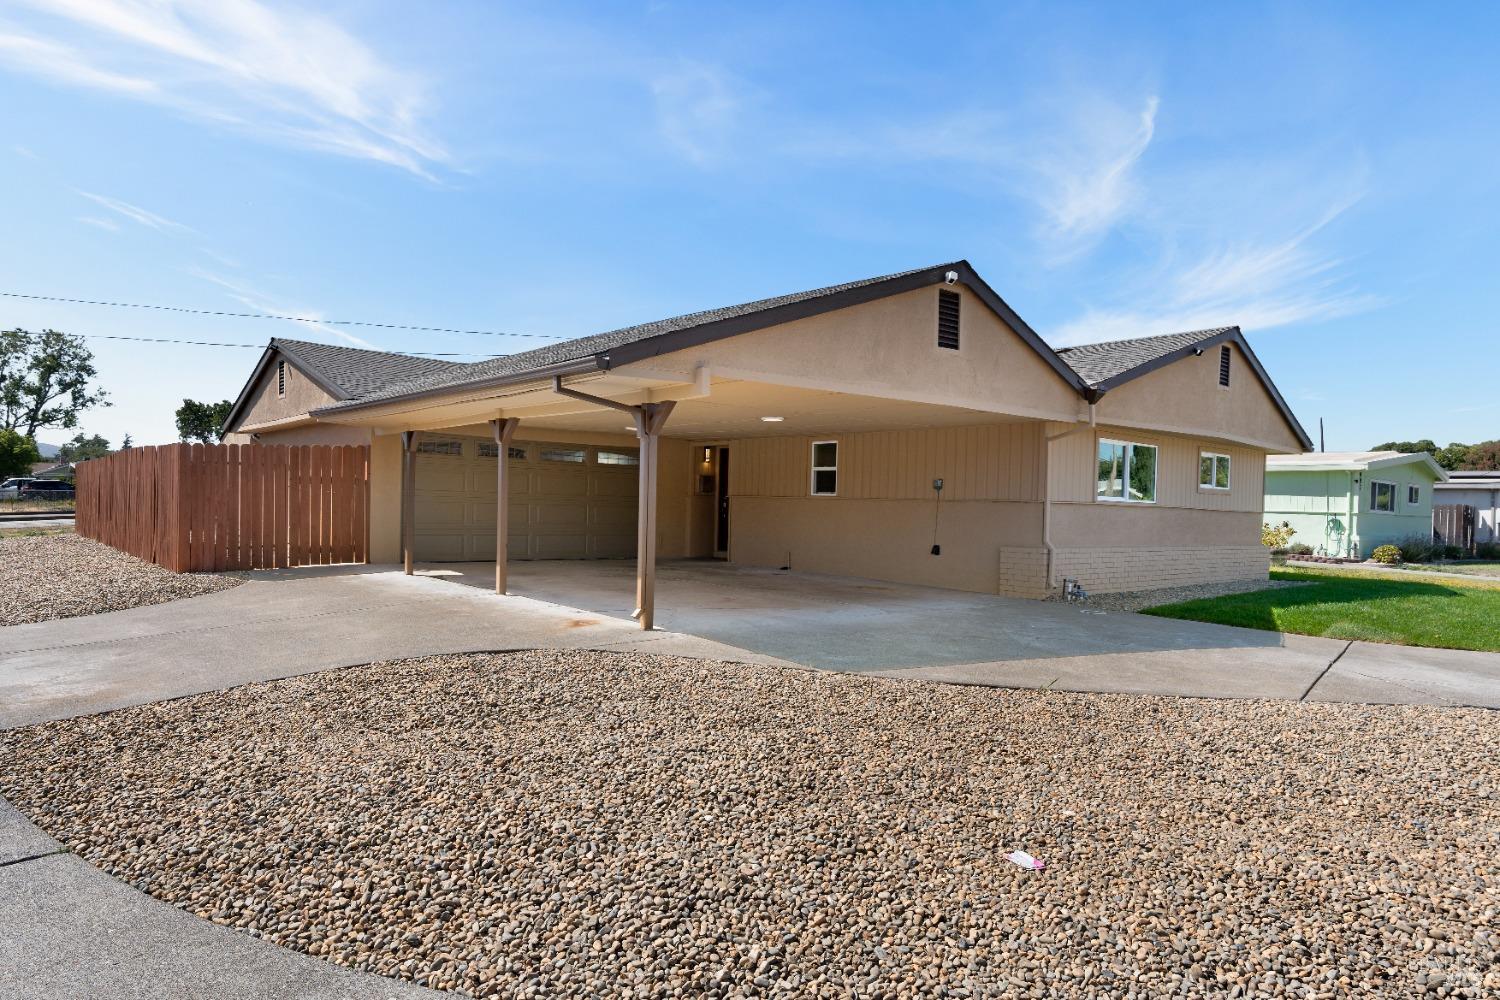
x=47 y=450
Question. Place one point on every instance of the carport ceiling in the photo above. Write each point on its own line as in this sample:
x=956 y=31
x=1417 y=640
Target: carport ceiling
x=734 y=409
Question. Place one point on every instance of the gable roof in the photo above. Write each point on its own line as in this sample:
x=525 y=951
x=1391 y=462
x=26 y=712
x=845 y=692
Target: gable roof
x=1111 y=363
x=342 y=372
x=1352 y=461
x=633 y=343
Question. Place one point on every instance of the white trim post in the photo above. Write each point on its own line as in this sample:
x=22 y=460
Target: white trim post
x=504 y=429
x=408 y=497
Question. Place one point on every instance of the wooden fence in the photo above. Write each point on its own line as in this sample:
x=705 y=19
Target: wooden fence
x=1453 y=524
x=218 y=507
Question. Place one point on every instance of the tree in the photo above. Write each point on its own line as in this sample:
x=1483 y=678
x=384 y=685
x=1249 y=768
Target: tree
x=1409 y=447
x=127 y=444
x=1483 y=457
x=82 y=448
x=45 y=380
x=17 y=453
x=202 y=421
x=1455 y=456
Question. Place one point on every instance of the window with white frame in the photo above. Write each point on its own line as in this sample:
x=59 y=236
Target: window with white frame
x=1213 y=471
x=1414 y=494
x=1127 y=472
x=1383 y=497
x=825 y=468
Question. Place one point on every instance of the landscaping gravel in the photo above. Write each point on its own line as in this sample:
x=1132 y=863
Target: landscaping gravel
x=64 y=576
x=549 y=824
x=1137 y=600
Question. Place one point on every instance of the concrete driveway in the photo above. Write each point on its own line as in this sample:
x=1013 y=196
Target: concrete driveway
x=868 y=626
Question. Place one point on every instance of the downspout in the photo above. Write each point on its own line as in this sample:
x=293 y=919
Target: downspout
x=1047 y=492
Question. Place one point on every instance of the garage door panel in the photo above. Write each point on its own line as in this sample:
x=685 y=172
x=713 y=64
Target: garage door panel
x=612 y=484
x=558 y=510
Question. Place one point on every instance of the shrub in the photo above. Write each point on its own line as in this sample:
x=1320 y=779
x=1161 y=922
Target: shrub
x=1419 y=548
x=1276 y=536
x=1386 y=554
x=1453 y=552
x=1300 y=549
x=1487 y=550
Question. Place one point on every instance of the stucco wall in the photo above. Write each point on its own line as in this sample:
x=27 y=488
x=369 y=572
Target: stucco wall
x=1185 y=398
x=302 y=396
x=888 y=348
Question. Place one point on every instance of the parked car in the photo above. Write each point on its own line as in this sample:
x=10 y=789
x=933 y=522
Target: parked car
x=47 y=489
x=11 y=488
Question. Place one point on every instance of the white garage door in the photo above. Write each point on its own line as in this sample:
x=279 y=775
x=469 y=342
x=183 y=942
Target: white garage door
x=567 y=501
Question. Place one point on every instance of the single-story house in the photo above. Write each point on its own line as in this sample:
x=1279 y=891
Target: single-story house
x=909 y=427
x=1348 y=503
x=1480 y=490
x=52 y=470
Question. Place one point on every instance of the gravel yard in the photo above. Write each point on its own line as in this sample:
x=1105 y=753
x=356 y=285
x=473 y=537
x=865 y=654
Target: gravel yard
x=64 y=576
x=1136 y=600
x=599 y=824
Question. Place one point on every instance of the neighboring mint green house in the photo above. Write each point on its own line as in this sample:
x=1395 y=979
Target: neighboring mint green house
x=1348 y=503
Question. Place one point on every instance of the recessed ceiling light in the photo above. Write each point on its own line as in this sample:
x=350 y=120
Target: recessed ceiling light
x=772 y=420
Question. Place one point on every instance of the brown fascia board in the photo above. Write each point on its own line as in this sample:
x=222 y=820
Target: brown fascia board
x=735 y=325
x=272 y=349
x=1232 y=335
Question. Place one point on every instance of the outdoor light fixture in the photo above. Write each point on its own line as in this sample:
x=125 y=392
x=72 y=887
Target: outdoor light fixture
x=708 y=454
x=772 y=420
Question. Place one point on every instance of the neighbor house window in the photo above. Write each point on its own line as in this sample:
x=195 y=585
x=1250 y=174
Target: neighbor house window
x=825 y=468
x=1224 y=356
x=617 y=457
x=575 y=456
x=1127 y=472
x=1414 y=494
x=947 y=330
x=1213 y=471
x=440 y=447
x=281 y=378
x=1383 y=497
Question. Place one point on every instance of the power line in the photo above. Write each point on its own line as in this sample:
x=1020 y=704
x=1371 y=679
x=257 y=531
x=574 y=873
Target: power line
x=277 y=316
x=259 y=347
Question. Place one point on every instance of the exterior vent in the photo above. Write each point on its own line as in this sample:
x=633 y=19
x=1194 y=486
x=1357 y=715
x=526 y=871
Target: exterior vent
x=281 y=378
x=948 y=319
x=1224 y=365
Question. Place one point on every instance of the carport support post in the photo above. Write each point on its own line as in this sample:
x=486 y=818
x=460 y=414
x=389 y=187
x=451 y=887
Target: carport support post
x=408 y=497
x=505 y=429
x=649 y=420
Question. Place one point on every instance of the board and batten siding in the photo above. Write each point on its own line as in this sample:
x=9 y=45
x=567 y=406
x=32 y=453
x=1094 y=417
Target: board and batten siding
x=1074 y=470
x=985 y=462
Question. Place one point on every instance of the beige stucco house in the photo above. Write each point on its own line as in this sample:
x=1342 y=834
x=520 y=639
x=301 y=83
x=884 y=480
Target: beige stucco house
x=910 y=427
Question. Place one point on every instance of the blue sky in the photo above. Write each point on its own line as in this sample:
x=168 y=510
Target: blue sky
x=1326 y=177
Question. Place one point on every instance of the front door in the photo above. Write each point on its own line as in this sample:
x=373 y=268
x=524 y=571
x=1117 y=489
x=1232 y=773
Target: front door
x=721 y=531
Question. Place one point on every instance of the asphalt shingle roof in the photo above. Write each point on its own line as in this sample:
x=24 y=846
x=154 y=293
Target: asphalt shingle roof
x=1096 y=363
x=357 y=371
x=571 y=350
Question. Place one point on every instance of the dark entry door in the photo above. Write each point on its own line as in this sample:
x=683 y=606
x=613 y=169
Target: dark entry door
x=721 y=534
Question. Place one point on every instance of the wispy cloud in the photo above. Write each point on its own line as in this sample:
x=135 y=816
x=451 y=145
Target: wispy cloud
x=94 y=220
x=1085 y=173
x=253 y=298
x=1256 y=286
x=696 y=109
x=137 y=214
x=296 y=76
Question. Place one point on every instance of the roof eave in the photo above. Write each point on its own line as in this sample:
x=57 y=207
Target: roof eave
x=576 y=366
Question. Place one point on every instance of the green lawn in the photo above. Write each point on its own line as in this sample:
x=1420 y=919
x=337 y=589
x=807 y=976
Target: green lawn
x=1489 y=569
x=1375 y=606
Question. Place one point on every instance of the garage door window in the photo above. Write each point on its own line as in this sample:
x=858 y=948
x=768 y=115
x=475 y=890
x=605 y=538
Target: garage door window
x=617 y=457
x=488 y=449
x=440 y=447
x=825 y=468
x=575 y=456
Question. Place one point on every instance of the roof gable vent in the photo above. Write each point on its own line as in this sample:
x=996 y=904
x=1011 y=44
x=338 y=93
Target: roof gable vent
x=947 y=324
x=1224 y=365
